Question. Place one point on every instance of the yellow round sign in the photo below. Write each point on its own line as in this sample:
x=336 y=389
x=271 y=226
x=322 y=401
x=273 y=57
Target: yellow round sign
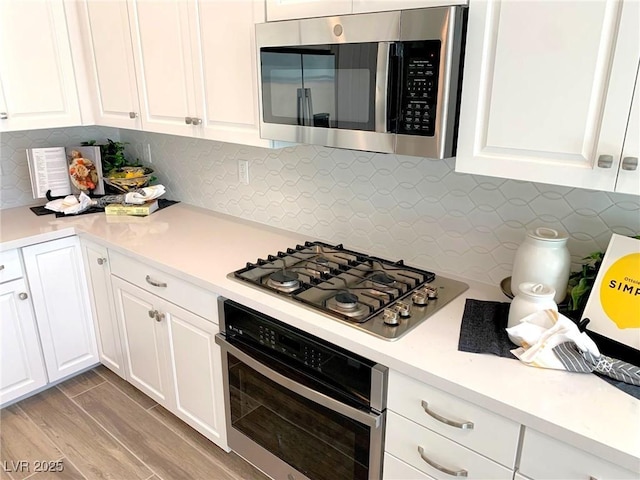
x=620 y=292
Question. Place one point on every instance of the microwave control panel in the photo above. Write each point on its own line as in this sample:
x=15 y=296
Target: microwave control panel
x=418 y=95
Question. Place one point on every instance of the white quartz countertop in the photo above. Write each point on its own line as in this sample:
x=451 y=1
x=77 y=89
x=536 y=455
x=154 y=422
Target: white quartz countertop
x=204 y=247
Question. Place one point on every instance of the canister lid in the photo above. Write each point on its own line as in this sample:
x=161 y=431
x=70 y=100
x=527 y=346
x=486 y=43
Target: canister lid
x=548 y=234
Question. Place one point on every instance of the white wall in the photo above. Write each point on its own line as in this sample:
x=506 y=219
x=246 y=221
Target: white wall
x=390 y=205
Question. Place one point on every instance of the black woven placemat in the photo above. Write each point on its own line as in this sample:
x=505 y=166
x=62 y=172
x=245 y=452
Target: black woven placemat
x=40 y=210
x=483 y=328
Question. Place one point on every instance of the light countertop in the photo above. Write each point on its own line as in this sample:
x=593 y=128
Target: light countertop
x=204 y=247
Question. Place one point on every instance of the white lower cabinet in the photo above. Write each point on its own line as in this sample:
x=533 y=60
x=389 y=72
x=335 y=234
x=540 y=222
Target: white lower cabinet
x=544 y=457
x=442 y=436
x=96 y=262
x=61 y=303
x=396 y=469
x=170 y=352
x=21 y=365
x=144 y=334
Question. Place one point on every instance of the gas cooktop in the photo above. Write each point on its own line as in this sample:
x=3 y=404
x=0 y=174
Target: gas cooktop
x=381 y=297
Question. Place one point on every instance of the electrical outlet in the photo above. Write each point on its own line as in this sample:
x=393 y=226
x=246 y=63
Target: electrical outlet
x=243 y=171
x=147 y=152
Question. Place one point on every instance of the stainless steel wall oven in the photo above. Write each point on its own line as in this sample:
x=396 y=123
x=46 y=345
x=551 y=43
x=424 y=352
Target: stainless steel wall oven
x=297 y=406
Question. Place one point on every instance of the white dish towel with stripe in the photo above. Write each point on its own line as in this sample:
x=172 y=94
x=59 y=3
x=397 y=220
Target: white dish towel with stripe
x=548 y=339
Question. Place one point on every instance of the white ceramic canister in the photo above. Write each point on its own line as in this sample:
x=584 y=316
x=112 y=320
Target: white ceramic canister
x=531 y=298
x=544 y=258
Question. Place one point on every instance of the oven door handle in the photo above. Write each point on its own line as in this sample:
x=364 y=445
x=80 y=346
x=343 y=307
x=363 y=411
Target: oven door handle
x=371 y=419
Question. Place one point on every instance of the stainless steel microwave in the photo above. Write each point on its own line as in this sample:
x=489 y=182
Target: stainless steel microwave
x=384 y=82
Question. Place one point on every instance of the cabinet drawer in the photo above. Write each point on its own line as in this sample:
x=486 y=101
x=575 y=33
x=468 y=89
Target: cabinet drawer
x=545 y=457
x=10 y=267
x=491 y=435
x=171 y=288
x=405 y=437
x=395 y=469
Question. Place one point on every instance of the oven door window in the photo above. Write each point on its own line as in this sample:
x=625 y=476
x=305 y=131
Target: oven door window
x=330 y=86
x=313 y=439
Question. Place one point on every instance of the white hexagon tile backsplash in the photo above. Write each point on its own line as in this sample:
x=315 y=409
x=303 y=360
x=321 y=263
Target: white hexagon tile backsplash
x=393 y=206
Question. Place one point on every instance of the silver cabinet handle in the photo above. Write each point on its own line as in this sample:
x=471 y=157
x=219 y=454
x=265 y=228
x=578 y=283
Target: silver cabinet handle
x=605 y=161
x=102 y=261
x=629 y=163
x=155 y=283
x=196 y=121
x=152 y=313
x=437 y=466
x=159 y=316
x=3 y=115
x=440 y=418
x=133 y=114
x=23 y=296
x=1 y=267
x=188 y=120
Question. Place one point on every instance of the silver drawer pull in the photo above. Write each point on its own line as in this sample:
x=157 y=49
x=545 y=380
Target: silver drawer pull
x=23 y=296
x=440 y=418
x=155 y=283
x=453 y=473
x=1 y=267
x=102 y=261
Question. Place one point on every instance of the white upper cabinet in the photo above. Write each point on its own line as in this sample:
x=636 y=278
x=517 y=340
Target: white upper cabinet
x=629 y=171
x=165 y=63
x=288 y=9
x=547 y=90
x=229 y=73
x=105 y=25
x=361 y=6
x=291 y=9
x=37 y=80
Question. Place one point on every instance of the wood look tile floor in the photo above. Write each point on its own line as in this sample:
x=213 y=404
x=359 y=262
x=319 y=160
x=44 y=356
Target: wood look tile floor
x=100 y=427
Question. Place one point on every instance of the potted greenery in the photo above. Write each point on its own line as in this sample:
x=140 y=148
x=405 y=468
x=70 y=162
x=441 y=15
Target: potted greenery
x=581 y=283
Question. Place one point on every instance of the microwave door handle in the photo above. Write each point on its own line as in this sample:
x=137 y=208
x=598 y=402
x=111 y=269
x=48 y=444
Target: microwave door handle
x=382 y=87
x=300 y=107
x=309 y=106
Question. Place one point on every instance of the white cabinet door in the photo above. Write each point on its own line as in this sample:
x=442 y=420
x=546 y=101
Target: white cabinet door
x=289 y=9
x=362 y=6
x=107 y=38
x=228 y=58
x=21 y=366
x=165 y=62
x=36 y=67
x=96 y=258
x=547 y=90
x=629 y=171
x=144 y=337
x=61 y=302
x=197 y=372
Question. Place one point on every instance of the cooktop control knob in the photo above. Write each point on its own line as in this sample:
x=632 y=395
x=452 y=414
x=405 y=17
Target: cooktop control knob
x=404 y=309
x=420 y=298
x=390 y=317
x=432 y=292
